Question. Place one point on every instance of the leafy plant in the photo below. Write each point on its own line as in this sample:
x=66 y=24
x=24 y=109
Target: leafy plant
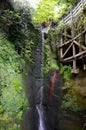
x=66 y=70
x=70 y=102
x=49 y=61
x=12 y=97
x=19 y=29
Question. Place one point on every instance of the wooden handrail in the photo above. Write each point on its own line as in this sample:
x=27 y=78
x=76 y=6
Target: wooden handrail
x=74 y=12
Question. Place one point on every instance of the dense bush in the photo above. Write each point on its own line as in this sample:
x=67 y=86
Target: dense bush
x=17 y=43
x=19 y=29
x=12 y=96
x=18 y=38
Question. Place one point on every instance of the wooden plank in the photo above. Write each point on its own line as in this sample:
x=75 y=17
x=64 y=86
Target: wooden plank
x=78 y=44
x=67 y=49
x=78 y=58
x=72 y=57
x=73 y=38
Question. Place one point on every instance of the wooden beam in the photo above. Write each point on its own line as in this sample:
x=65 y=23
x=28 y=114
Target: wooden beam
x=73 y=38
x=78 y=44
x=72 y=57
x=78 y=58
x=67 y=35
x=67 y=49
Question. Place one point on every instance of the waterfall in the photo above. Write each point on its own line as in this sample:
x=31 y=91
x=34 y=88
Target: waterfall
x=44 y=111
x=39 y=107
x=41 y=125
x=42 y=65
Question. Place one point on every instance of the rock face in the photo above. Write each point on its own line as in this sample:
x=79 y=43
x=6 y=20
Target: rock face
x=38 y=96
x=52 y=103
x=71 y=121
x=79 y=90
x=35 y=82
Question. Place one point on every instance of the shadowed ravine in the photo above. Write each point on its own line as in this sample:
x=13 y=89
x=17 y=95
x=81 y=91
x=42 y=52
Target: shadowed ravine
x=45 y=96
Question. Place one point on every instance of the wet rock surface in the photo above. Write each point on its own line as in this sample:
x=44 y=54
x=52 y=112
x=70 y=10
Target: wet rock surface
x=50 y=105
x=71 y=121
x=53 y=116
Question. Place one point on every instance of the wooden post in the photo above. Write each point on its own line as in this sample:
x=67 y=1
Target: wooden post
x=61 y=48
x=73 y=47
x=85 y=35
x=85 y=38
x=74 y=60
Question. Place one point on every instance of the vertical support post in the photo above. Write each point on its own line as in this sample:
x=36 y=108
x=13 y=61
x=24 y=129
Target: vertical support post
x=61 y=49
x=74 y=60
x=61 y=40
x=85 y=38
x=85 y=34
x=73 y=47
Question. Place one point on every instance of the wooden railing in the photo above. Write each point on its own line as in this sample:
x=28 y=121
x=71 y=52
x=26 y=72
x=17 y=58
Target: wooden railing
x=74 y=12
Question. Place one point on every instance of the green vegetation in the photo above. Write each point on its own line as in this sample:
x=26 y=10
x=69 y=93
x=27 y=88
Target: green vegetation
x=49 y=10
x=74 y=99
x=49 y=61
x=20 y=31
x=12 y=96
x=18 y=38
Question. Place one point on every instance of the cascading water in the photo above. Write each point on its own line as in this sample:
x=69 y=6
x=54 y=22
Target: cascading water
x=41 y=125
x=43 y=94
x=42 y=65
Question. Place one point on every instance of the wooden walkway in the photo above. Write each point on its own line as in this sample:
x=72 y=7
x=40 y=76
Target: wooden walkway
x=74 y=12
x=73 y=51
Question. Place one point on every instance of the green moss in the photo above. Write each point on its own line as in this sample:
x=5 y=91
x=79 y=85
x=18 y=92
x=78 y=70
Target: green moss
x=74 y=98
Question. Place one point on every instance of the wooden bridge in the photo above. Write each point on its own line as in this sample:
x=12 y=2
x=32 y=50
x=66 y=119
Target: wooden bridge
x=73 y=45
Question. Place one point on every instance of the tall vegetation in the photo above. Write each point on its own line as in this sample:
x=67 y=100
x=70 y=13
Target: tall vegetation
x=18 y=38
x=12 y=96
x=19 y=30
